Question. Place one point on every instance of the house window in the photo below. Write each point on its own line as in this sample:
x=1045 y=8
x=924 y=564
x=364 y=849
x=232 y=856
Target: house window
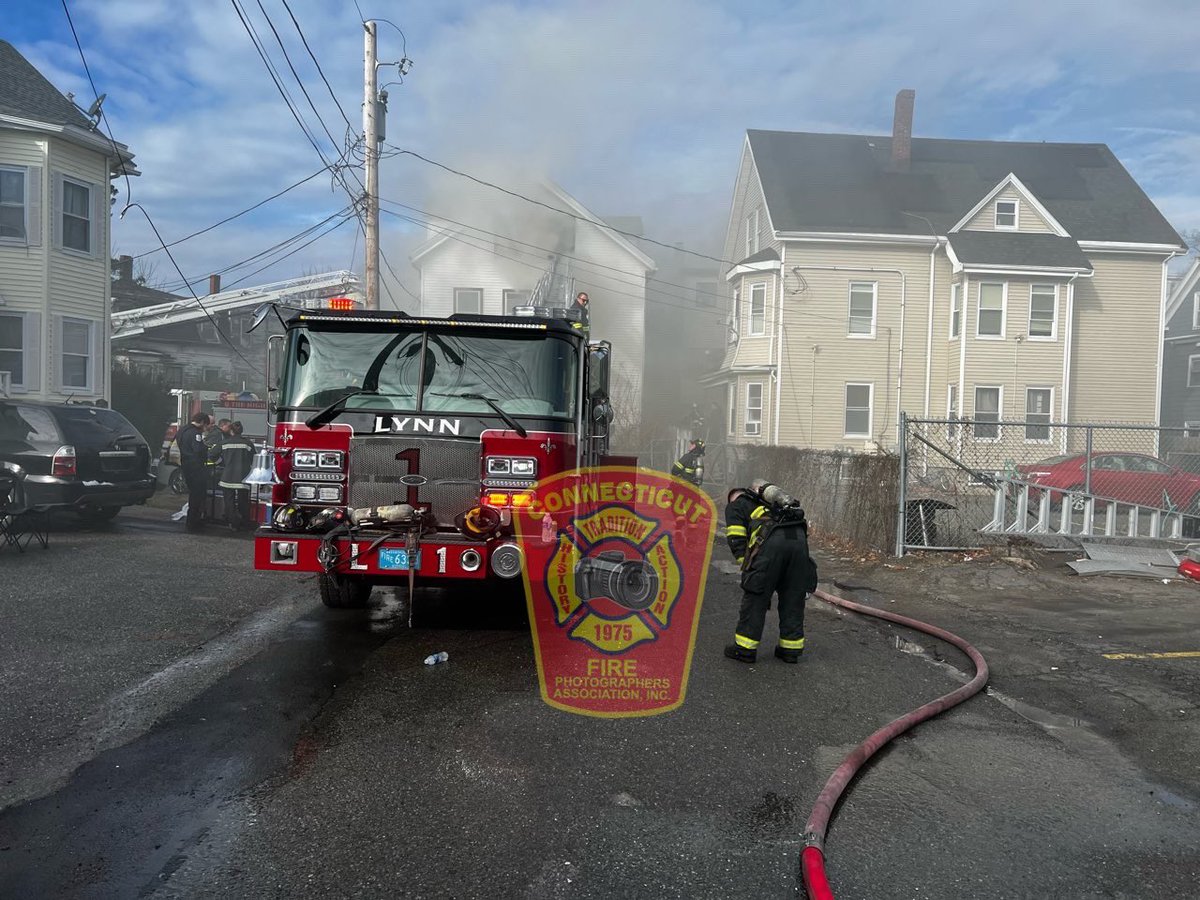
x=752 y=233
x=1006 y=214
x=12 y=204
x=1043 y=312
x=76 y=353
x=1196 y=310
x=76 y=216
x=758 y=309
x=993 y=300
x=952 y=410
x=736 y=322
x=862 y=309
x=207 y=329
x=12 y=347
x=513 y=299
x=754 y=405
x=468 y=300
x=987 y=413
x=858 y=410
x=732 y=400
x=955 y=311
x=1191 y=429
x=1193 y=371
x=1038 y=404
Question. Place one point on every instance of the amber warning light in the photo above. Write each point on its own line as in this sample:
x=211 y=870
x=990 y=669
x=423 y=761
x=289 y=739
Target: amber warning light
x=342 y=303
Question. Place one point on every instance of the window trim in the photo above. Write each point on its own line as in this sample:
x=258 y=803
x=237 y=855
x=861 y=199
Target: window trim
x=1196 y=311
x=731 y=397
x=870 y=386
x=62 y=216
x=951 y=409
x=752 y=224
x=24 y=173
x=506 y=295
x=1191 y=426
x=956 y=294
x=1053 y=336
x=1003 y=311
x=1190 y=383
x=18 y=378
x=759 y=288
x=89 y=374
x=757 y=423
x=874 y=309
x=454 y=300
x=1049 y=439
x=1016 y=214
x=999 y=388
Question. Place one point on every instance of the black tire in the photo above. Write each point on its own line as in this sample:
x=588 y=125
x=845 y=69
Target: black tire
x=98 y=513
x=343 y=592
x=177 y=483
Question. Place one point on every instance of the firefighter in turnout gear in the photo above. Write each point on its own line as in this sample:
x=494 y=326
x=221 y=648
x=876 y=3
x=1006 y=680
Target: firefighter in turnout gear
x=690 y=466
x=768 y=536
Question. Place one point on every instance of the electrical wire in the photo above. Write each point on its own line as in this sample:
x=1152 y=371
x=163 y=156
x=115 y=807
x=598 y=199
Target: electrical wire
x=320 y=71
x=294 y=251
x=236 y=215
x=400 y=151
x=220 y=331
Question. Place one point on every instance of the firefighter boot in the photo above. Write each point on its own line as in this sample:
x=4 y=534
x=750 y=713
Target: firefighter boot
x=788 y=656
x=741 y=654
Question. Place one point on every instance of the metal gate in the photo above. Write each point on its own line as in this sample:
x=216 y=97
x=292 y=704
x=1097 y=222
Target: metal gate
x=965 y=482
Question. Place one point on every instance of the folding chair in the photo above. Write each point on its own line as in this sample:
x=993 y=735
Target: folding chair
x=20 y=524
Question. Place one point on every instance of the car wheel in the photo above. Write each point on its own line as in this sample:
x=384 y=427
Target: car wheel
x=341 y=592
x=98 y=513
x=177 y=483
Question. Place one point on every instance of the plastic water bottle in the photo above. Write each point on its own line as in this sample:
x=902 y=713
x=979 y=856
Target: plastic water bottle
x=436 y=658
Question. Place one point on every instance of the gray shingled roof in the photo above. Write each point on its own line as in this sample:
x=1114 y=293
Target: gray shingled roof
x=25 y=93
x=1002 y=248
x=844 y=183
x=766 y=255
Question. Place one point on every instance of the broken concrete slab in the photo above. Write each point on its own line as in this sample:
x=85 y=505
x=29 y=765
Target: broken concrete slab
x=1114 y=567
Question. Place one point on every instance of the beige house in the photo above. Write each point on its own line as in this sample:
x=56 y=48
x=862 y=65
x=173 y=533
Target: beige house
x=988 y=280
x=55 y=170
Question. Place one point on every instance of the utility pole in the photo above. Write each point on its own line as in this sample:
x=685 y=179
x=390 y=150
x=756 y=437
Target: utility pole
x=371 y=153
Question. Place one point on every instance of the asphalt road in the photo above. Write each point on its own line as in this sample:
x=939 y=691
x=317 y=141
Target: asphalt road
x=174 y=724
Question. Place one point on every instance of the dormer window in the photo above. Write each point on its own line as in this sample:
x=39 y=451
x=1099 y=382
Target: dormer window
x=1006 y=214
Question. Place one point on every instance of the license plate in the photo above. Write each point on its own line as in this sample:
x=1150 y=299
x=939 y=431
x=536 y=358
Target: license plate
x=394 y=559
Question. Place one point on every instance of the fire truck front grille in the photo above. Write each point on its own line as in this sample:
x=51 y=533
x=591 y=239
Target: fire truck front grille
x=450 y=469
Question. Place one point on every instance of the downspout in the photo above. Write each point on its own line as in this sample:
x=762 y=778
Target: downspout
x=779 y=343
x=929 y=326
x=962 y=347
x=1068 y=319
x=903 y=298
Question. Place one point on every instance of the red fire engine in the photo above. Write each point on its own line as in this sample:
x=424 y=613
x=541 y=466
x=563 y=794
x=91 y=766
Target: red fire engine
x=402 y=445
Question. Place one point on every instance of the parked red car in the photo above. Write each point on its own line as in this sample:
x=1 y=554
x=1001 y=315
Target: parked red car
x=1128 y=477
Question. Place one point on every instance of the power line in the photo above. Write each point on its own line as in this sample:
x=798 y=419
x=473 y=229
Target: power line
x=294 y=251
x=320 y=71
x=237 y=215
x=199 y=303
x=400 y=151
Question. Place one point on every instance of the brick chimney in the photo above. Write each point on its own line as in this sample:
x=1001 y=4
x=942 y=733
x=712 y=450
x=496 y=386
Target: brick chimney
x=214 y=284
x=902 y=130
x=124 y=268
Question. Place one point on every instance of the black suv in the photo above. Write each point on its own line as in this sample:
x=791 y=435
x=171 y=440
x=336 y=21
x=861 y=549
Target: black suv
x=83 y=457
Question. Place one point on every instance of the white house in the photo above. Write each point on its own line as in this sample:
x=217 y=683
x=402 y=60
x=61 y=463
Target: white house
x=55 y=171
x=495 y=260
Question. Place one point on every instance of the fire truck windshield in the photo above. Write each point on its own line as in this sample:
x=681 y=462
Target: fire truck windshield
x=418 y=371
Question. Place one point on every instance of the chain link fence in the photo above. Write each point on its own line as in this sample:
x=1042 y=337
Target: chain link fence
x=966 y=482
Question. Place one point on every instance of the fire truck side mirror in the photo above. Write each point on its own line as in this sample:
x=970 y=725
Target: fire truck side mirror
x=274 y=355
x=599 y=364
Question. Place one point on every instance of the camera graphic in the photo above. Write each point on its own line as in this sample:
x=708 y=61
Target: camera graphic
x=630 y=583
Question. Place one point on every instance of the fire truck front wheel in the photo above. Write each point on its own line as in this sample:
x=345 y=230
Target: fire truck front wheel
x=343 y=592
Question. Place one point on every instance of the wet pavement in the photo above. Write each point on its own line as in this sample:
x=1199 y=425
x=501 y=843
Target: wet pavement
x=260 y=745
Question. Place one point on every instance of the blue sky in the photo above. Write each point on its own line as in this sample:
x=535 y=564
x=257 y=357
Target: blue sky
x=636 y=108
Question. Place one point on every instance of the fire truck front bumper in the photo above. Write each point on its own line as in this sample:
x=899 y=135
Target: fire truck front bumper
x=438 y=556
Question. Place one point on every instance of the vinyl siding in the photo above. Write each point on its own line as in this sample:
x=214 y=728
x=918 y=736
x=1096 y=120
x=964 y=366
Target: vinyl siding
x=23 y=266
x=1180 y=403
x=1114 y=352
x=1028 y=220
x=755 y=350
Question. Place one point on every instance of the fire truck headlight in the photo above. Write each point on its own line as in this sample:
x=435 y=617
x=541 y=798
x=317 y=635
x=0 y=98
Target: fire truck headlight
x=329 y=494
x=499 y=465
x=524 y=466
x=304 y=492
x=330 y=459
x=304 y=459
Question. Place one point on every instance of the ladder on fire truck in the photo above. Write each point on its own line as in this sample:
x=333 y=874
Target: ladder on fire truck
x=556 y=288
x=307 y=291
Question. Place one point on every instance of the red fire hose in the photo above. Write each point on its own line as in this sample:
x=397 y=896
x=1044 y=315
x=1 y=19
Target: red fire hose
x=812 y=858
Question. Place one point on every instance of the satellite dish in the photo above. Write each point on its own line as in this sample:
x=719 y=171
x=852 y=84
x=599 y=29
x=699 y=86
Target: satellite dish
x=94 y=110
x=259 y=314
